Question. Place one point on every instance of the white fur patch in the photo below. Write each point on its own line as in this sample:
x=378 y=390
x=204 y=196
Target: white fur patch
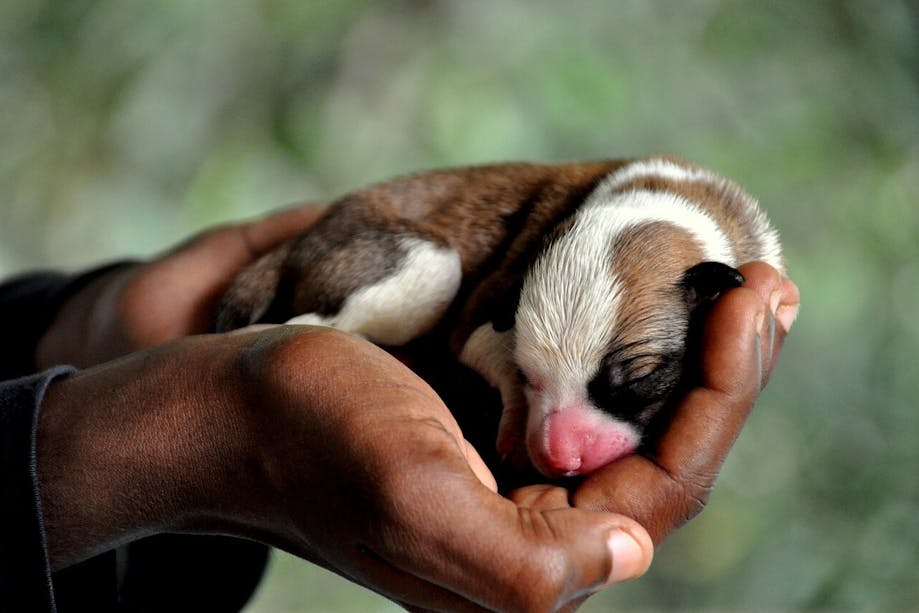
x=568 y=305
x=404 y=305
x=771 y=250
x=570 y=298
x=490 y=353
x=642 y=206
x=656 y=168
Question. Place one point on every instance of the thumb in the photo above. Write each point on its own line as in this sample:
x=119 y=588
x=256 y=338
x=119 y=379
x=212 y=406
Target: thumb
x=521 y=558
x=602 y=548
x=551 y=558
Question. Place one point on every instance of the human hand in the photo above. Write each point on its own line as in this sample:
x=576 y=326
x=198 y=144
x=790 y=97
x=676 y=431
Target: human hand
x=322 y=444
x=173 y=295
x=668 y=485
x=664 y=488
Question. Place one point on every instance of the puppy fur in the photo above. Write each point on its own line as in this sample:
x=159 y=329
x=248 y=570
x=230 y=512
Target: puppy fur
x=570 y=288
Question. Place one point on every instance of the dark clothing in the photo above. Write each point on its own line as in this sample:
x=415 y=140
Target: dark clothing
x=28 y=305
x=25 y=576
x=160 y=573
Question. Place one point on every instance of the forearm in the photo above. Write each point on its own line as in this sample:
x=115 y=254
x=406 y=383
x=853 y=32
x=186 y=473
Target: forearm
x=142 y=445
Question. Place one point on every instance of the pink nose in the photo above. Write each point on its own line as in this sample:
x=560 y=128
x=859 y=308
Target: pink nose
x=577 y=440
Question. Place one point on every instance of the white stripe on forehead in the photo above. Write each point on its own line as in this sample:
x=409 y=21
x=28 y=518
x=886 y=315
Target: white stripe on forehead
x=667 y=206
x=569 y=304
x=657 y=168
x=770 y=250
x=568 y=301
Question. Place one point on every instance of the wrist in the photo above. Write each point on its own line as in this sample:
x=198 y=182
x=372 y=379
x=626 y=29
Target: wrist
x=150 y=443
x=72 y=335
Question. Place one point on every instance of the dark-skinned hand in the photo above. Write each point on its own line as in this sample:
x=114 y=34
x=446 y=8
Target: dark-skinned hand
x=144 y=304
x=668 y=485
x=174 y=295
x=319 y=443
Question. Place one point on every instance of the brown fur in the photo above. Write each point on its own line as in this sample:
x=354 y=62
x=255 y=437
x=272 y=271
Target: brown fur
x=497 y=217
x=723 y=201
x=650 y=260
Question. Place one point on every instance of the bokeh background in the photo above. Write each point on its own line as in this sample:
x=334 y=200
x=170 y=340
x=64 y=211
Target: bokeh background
x=125 y=126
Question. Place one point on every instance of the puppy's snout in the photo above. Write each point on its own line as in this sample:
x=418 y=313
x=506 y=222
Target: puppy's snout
x=578 y=439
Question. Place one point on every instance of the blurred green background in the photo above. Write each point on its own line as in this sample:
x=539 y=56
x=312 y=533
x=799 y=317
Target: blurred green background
x=128 y=125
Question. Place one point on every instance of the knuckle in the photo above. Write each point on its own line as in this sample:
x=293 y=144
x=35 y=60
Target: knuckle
x=690 y=492
x=285 y=351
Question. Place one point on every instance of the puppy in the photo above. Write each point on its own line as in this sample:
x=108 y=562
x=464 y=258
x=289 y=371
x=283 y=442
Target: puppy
x=570 y=288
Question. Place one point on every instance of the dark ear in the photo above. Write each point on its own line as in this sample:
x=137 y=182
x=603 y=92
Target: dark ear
x=504 y=308
x=703 y=283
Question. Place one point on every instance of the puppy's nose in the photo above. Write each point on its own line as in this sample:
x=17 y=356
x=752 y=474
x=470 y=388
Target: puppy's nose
x=578 y=439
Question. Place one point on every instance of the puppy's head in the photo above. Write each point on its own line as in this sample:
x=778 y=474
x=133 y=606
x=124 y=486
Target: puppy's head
x=601 y=332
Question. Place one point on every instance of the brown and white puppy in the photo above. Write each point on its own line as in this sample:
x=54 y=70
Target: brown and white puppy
x=570 y=287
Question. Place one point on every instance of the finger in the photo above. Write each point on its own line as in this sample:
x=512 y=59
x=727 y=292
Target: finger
x=198 y=271
x=782 y=298
x=787 y=311
x=671 y=485
x=777 y=291
x=479 y=469
x=711 y=415
x=784 y=315
x=543 y=497
x=234 y=245
x=264 y=234
x=504 y=557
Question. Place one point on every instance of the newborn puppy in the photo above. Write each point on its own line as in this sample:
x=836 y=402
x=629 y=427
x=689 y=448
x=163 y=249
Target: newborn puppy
x=568 y=287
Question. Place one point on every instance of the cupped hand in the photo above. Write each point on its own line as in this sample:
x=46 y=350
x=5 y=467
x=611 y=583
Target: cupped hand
x=324 y=445
x=144 y=304
x=669 y=484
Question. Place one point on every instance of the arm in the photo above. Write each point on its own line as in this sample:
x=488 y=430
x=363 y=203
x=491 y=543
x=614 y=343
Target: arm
x=159 y=301
x=53 y=318
x=321 y=444
x=28 y=305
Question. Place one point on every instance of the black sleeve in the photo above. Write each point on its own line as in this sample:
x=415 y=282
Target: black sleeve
x=28 y=305
x=159 y=573
x=25 y=575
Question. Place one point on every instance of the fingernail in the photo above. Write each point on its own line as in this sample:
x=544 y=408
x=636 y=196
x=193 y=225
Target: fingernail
x=628 y=557
x=787 y=315
x=758 y=321
x=774 y=299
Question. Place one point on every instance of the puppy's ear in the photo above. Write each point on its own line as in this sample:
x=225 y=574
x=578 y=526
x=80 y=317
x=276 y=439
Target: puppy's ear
x=504 y=308
x=703 y=283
